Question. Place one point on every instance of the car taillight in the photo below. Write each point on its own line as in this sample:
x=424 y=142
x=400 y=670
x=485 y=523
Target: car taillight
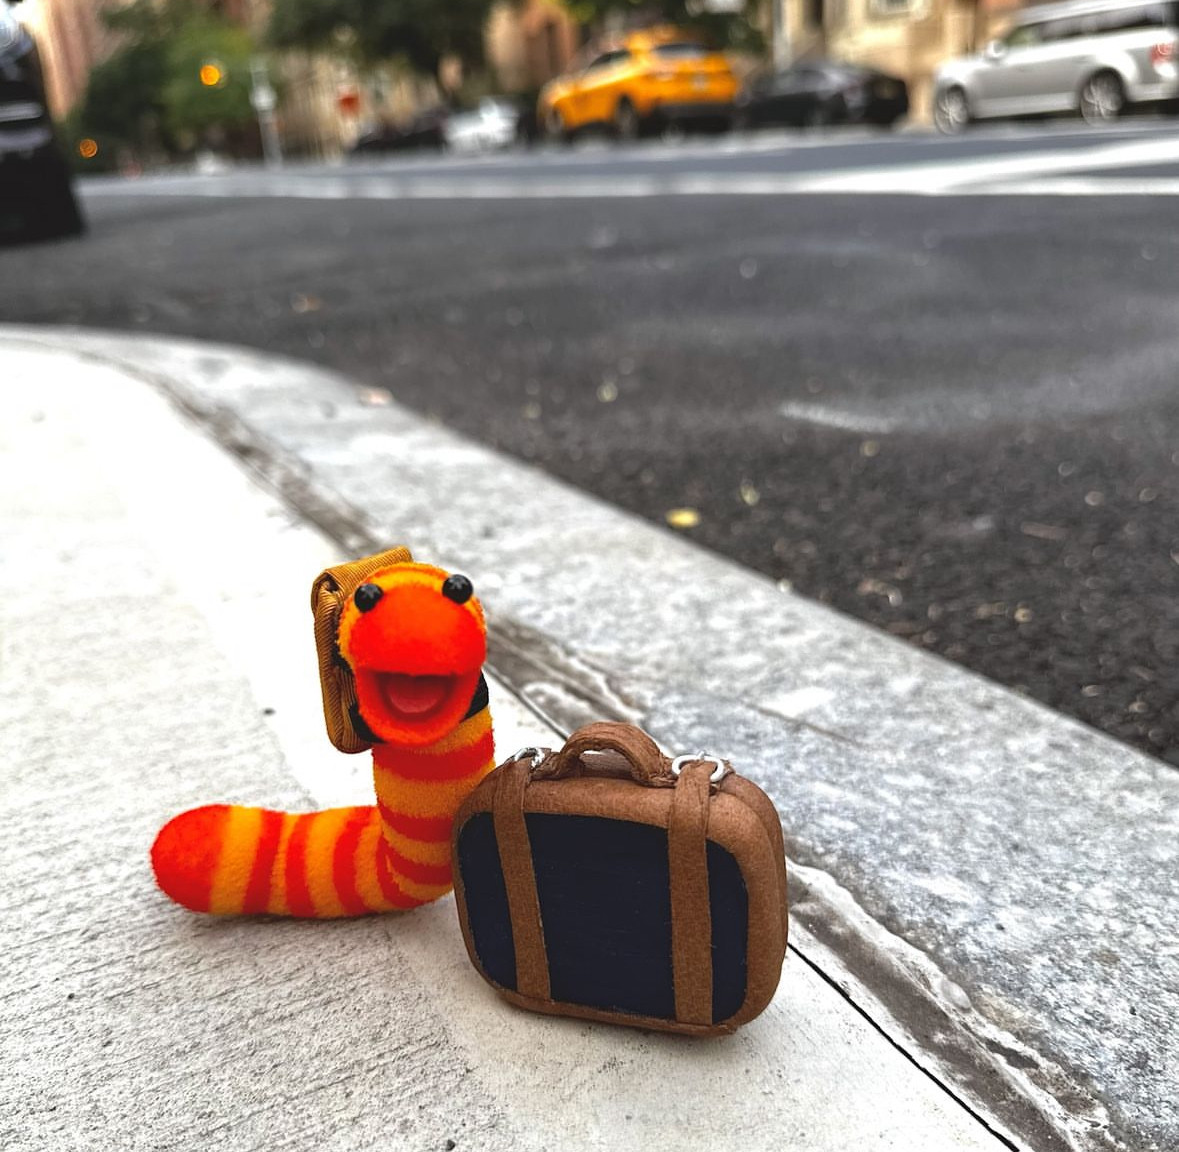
x=1163 y=53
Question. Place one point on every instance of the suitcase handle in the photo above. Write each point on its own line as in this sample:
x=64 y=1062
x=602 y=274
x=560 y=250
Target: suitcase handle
x=648 y=766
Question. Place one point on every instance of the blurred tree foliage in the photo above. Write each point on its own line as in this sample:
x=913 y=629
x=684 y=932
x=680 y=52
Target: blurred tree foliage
x=124 y=96
x=419 y=32
x=148 y=96
x=189 y=105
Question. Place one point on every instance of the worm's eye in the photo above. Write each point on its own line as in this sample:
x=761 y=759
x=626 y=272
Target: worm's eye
x=367 y=596
x=457 y=588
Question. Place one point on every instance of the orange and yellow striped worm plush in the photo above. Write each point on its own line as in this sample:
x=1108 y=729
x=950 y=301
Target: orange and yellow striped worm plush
x=401 y=652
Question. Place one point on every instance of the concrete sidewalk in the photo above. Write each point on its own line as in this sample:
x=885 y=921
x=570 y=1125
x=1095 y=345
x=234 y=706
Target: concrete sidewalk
x=994 y=887
x=157 y=654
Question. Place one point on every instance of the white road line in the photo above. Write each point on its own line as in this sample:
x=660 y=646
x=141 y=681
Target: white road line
x=834 y=418
x=1005 y=175
x=1081 y=186
x=632 y=189
x=961 y=175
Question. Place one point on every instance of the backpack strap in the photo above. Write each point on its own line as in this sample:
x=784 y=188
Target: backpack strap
x=329 y=593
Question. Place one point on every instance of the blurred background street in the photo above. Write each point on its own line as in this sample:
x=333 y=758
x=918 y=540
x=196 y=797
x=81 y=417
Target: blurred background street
x=710 y=262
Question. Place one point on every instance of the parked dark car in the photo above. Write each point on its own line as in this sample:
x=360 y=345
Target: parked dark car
x=36 y=195
x=427 y=130
x=817 y=92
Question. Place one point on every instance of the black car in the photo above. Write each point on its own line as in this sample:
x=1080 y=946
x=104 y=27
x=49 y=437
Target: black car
x=426 y=131
x=817 y=92
x=36 y=196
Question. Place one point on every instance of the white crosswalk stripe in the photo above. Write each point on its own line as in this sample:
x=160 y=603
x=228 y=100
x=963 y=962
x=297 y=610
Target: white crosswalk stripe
x=1050 y=172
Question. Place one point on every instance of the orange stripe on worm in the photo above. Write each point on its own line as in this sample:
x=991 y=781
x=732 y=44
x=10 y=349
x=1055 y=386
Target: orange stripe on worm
x=389 y=886
x=461 y=736
x=239 y=843
x=416 y=872
x=257 y=896
x=326 y=829
x=276 y=904
x=439 y=799
x=344 y=862
x=421 y=851
x=429 y=828
x=298 y=894
x=413 y=765
x=367 y=849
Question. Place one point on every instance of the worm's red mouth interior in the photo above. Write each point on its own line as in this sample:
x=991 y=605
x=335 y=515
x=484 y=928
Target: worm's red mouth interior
x=414 y=697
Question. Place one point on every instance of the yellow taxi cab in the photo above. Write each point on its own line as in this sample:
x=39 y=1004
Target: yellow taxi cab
x=652 y=78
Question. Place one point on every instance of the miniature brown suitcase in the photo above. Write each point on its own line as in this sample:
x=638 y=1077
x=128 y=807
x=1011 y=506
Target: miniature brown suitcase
x=608 y=882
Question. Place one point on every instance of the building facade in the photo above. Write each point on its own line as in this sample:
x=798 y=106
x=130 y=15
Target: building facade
x=324 y=103
x=529 y=42
x=72 y=39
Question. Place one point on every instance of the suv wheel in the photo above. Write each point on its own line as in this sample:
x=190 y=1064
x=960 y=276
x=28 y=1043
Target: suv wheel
x=1102 y=98
x=626 y=120
x=554 y=127
x=51 y=209
x=820 y=116
x=951 y=111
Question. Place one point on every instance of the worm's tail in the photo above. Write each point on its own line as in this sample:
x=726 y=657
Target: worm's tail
x=232 y=860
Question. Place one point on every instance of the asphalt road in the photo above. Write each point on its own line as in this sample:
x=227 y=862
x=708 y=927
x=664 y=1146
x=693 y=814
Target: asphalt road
x=932 y=383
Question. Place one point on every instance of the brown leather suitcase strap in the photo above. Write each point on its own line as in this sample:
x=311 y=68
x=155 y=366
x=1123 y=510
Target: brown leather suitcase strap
x=687 y=848
x=515 y=855
x=691 y=917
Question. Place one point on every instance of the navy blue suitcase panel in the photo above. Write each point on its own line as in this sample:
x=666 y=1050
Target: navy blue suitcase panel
x=604 y=890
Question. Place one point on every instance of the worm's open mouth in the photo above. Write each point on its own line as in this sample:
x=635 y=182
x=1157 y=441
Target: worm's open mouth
x=414 y=698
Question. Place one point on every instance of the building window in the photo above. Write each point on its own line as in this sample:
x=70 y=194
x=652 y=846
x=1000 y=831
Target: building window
x=898 y=7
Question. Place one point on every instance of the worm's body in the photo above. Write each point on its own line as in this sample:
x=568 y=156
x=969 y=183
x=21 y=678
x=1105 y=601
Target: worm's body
x=411 y=643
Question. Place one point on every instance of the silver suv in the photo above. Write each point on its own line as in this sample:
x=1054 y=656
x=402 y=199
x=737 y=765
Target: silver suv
x=1095 y=57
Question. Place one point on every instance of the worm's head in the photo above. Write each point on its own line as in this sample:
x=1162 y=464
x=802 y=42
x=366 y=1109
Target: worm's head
x=415 y=639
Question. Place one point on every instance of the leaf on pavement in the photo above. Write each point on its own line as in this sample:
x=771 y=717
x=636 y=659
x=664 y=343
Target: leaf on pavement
x=683 y=517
